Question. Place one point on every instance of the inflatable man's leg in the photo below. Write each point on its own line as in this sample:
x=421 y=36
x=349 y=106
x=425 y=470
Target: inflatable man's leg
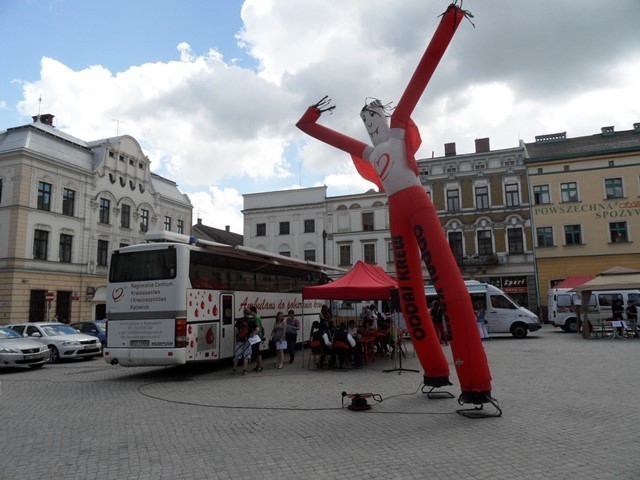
x=469 y=357
x=413 y=302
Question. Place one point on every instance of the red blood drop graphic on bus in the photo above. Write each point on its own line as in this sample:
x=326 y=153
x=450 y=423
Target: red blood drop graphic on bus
x=210 y=297
x=196 y=313
x=190 y=329
x=202 y=305
x=215 y=310
x=191 y=343
x=210 y=336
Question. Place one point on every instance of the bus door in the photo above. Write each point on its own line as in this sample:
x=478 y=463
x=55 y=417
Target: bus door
x=227 y=331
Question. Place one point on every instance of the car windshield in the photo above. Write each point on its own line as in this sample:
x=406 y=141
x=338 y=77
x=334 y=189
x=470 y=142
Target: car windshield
x=8 y=333
x=52 y=330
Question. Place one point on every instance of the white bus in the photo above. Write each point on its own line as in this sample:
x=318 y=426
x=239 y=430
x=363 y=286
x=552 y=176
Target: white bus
x=174 y=300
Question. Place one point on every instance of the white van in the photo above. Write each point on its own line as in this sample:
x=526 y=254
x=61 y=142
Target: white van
x=562 y=302
x=502 y=312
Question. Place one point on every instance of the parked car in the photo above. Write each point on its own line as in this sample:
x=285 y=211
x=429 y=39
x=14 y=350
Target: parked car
x=62 y=340
x=16 y=351
x=96 y=328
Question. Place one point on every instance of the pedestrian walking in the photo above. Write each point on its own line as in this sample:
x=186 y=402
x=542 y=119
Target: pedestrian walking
x=291 y=334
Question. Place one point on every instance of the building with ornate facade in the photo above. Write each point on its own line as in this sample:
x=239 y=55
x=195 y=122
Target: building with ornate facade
x=585 y=195
x=64 y=205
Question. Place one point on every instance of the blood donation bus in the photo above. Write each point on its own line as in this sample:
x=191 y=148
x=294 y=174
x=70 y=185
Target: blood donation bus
x=174 y=299
x=502 y=313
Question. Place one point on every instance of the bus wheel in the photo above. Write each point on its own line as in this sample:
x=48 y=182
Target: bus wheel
x=519 y=330
x=571 y=326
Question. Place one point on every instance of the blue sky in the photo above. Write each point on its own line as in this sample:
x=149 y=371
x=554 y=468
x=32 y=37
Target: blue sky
x=212 y=89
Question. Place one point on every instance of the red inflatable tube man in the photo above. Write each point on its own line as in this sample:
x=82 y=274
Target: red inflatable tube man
x=417 y=235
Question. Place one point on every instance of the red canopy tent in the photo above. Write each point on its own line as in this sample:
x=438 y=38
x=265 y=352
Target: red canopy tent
x=362 y=282
x=573 y=281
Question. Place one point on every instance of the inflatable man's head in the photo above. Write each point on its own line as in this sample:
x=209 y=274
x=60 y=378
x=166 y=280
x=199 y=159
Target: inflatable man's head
x=374 y=116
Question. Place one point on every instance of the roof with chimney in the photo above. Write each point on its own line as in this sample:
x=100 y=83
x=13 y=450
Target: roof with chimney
x=558 y=146
x=204 y=232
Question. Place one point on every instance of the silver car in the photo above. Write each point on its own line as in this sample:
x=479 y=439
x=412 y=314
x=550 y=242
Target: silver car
x=62 y=340
x=16 y=351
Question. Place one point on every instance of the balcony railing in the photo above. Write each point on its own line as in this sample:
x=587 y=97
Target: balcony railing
x=471 y=260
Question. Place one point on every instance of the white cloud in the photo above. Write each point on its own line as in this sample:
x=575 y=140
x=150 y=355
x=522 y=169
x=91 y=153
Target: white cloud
x=218 y=208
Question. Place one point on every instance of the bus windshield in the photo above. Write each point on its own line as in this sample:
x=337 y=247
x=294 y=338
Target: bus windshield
x=143 y=265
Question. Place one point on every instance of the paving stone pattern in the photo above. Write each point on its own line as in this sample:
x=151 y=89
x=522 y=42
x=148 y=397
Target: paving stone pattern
x=570 y=411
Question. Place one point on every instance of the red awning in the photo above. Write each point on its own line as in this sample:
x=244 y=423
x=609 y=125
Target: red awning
x=573 y=281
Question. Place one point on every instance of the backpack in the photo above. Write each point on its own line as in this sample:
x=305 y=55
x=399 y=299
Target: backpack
x=243 y=330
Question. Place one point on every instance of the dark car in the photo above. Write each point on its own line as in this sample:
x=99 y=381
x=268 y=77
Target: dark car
x=95 y=328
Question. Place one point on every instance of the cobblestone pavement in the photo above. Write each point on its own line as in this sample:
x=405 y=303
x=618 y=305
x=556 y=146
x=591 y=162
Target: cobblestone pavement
x=570 y=411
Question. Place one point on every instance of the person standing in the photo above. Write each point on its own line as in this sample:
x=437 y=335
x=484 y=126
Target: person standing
x=481 y=318
x=244 y=328
x=325 y=314
x=437 y=317
x=291 y=334
x=632 y=316
x=617 y=314
x=255 y=348
x=278 y=336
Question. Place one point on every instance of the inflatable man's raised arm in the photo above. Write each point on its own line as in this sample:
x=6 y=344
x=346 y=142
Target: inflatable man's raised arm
x=417 y=235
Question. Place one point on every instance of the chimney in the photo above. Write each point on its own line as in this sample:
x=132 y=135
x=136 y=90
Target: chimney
x=46 y=118
x=227 y=228
x=450 y=149
x=482 y=145
x=199 y=221
x=607 y=131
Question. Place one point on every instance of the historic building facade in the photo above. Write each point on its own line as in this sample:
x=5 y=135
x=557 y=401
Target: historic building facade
x=585 y=195
x=482 y=200
x=64 y=205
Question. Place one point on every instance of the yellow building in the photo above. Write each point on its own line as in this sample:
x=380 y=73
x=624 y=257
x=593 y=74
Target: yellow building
x=585 y=194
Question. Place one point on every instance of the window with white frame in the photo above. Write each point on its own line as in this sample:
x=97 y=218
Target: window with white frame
x=369 y=253
x=367 y=221
x=345 y=254
x=390 y=256
x=512 y=194
x=613 y=188
x=572 y=235
x=64 y=251
x=40 y=244
x=453 y=199
x=485 y=242
x=515 y=241
x=455 y=243
x=569 y=192
x=618 y=232
x=541 y=195
x=482 y=197
x=544 y=235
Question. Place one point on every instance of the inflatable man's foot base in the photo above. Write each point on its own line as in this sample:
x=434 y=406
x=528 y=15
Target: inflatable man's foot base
x=432 y=394
x=480 y=399
x=436 y=381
